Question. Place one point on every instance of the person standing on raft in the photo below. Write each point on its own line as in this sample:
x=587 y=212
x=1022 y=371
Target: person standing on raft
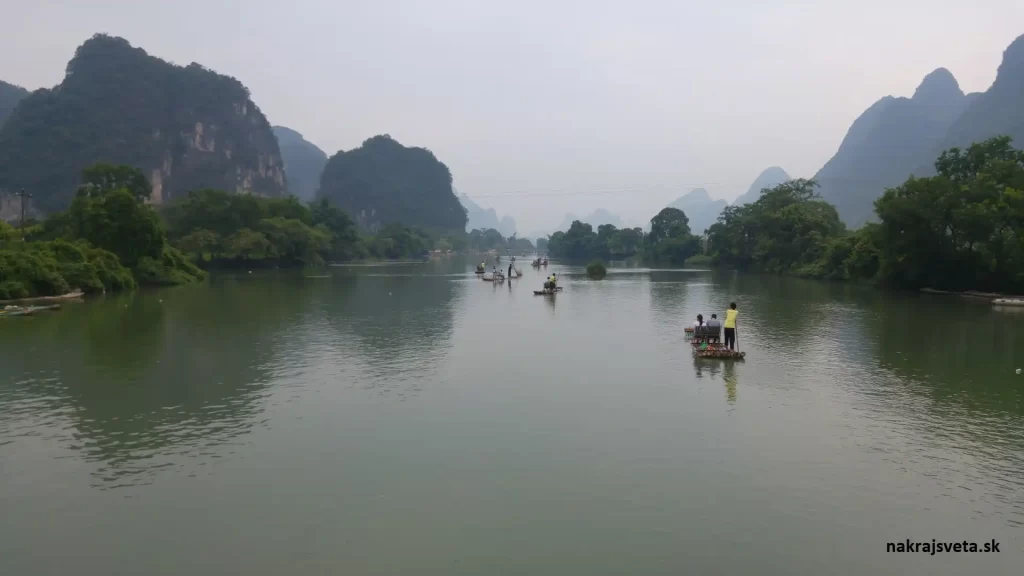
x=730 y=325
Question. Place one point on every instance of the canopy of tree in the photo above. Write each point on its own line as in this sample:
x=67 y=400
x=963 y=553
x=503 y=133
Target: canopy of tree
x=669 y=241
x=10 y=95
x=107 y=240
x=785 y=229
x=700 y=209
x=220 y=229
x=382 y=182
x=961 y=229
x=185 y=128
x=303 y=162
x=769 y=178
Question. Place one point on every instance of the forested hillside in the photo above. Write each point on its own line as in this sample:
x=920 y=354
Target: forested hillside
x=384 y=182
x=185 y=127
x=10 y=95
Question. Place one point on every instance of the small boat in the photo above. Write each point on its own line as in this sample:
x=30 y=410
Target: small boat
x=535 y=263
x=1008 y=302
x=706 y=343
x=26 y=310
x=547 y=292
x=544 y=262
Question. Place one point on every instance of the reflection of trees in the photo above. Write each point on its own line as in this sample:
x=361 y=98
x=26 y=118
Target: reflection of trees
x=957 y=352
x=148 y=377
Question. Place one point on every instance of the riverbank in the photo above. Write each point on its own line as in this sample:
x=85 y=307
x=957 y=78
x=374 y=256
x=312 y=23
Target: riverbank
x=69 y=296
x=974 y=294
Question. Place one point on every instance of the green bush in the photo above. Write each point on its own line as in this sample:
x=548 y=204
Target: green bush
x=12 y=290
x=596 y=270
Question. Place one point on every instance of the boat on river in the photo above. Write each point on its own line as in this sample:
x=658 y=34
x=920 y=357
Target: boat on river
x=1008 y=302
x=26 y=310
x=547 y=291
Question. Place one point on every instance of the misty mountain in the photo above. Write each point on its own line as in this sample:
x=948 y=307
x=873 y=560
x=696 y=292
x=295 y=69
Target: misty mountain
x=303 y=162
x=185 y=127
x=997 y=111
x=481 y=219
x=888 y=142
x=700 y=209
x=384 y=182
x=770 y=178
x=507 y=226
x=478 y=217
x=10 y=95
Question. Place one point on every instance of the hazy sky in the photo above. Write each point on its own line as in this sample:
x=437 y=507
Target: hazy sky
x=625 y=105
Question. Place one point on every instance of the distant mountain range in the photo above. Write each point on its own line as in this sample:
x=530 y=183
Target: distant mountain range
x=303 y=162
x=482 y=219
x=700 y=209
x=769 y=178
x=898 y=137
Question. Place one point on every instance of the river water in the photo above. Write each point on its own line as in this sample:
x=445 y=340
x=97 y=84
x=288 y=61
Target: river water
x=411 y=419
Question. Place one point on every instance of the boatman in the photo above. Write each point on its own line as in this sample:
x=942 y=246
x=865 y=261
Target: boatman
x=730 y=325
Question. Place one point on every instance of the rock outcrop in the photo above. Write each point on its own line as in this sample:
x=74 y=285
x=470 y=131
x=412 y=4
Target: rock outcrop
x=185 y=127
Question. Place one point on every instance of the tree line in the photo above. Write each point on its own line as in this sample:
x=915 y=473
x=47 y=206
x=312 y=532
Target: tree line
x=669 y=241
x=962 y=228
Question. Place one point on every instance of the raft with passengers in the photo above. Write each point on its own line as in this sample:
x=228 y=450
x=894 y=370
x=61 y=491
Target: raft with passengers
x=706 y=338
x=551 y=287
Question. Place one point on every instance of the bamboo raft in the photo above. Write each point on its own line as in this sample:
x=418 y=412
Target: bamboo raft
x=706 y=343
x=716 y=350
x=547 y=292
x=26 y=310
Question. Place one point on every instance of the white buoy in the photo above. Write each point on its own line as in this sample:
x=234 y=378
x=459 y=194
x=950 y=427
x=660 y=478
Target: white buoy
x=1018 y=370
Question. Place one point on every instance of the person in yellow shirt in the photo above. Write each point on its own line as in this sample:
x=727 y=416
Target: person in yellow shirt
x=730 y=325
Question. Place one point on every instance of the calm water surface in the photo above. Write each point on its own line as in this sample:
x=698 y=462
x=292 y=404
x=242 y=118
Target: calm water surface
x=411 y=419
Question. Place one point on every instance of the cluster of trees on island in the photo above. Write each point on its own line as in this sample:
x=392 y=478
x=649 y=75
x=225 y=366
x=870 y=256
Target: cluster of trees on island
x=960 y=229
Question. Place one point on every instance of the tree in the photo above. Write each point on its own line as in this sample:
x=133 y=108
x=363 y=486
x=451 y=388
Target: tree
x=669 y=223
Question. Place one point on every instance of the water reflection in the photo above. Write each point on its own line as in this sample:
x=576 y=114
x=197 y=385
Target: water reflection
x=395 y=321
x=145 y=382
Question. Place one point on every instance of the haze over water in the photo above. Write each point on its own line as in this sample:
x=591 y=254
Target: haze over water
x=402 y=419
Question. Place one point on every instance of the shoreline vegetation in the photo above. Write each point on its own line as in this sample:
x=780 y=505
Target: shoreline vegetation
x=959 y=232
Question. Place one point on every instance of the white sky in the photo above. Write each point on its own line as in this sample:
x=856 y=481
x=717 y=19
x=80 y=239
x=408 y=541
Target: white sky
x=647 y=99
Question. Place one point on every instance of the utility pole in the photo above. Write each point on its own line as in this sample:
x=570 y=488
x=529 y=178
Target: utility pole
x=23 y=195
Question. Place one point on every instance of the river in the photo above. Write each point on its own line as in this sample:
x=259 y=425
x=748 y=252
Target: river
x=411 y=419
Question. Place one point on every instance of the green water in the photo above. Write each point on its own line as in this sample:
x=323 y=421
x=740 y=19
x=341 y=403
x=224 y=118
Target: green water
x=411 y=419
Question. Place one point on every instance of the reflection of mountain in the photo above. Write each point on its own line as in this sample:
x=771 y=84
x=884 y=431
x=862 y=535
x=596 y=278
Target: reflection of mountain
x=700 y=209
x=769 y=178
x=148 y=380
